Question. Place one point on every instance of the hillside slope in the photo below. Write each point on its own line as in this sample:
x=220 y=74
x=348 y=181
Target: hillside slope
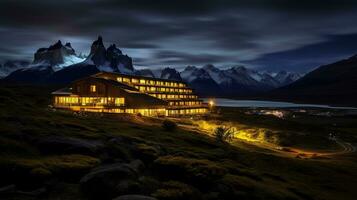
x=52 y=154
x=334 y=83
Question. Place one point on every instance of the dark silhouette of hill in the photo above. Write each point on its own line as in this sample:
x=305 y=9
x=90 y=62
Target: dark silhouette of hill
x=334 y=83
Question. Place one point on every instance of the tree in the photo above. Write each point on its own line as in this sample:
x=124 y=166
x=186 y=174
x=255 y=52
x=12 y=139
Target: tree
x=223 y=134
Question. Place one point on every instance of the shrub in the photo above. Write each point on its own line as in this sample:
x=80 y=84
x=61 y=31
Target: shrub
x=169 y=125
x=174 y=190
x=57 y=164
x=40 y=172
x=200 y=169
x=147 y=152
x=148 y=184
x=223 y=134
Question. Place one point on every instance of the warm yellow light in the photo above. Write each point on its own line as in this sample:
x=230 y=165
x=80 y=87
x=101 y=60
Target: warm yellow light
x=211 y=103
x=93 y=88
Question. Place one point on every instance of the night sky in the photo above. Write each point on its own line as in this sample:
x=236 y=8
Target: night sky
x=267 y=34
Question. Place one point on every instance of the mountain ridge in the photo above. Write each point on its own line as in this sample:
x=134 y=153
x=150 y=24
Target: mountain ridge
x=59 y=64
x=334 y=83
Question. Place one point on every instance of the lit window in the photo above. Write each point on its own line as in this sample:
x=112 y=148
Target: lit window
x=93 y=88
x=119 y=101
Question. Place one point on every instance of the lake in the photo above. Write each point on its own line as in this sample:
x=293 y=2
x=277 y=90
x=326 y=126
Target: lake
x=265 y=104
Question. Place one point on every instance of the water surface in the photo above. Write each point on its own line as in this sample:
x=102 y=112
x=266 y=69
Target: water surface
x=265 y=104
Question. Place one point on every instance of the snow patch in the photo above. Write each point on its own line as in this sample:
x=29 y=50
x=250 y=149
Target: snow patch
x=67 y=61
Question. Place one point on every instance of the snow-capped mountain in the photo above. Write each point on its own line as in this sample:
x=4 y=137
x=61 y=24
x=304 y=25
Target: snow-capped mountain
x=110 y=60
x=57 y=56
x=170 y=73
x=285 y=78
x=46 y=62
x=237 y=80
x=200 y=80
x=60 y=64
x=166 y=73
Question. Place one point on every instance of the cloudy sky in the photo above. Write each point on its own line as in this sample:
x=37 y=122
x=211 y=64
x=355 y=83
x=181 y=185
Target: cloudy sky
x=294 y=35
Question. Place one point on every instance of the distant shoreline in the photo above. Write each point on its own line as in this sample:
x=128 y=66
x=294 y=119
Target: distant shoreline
x=246 y=103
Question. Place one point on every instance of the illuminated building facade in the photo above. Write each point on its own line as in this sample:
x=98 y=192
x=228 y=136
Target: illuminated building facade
x=118 y=93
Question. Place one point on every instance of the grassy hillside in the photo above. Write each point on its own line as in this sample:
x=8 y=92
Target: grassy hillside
x=45 y=153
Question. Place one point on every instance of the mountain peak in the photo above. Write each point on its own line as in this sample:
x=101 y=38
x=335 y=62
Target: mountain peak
x=110 y=59
x=240 y=69
x=282 y=72
x=171 y=73
x=68 y=44
x=54 y=55
x=190 y=67
x=57 y=45
x=112 y=49
x=100 y=39
x=98 y=42
x=210 y=67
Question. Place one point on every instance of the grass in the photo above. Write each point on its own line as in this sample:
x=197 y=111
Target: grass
x=180 y=164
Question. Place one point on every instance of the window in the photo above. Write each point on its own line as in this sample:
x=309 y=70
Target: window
x=119 y=101
x=142 y=88
x=93 y=88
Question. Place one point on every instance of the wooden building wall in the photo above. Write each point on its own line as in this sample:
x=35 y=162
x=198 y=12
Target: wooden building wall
x=107 y=89
x=82 y=88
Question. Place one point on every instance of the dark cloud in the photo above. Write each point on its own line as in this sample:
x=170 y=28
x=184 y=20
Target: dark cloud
x=311 y=56
x=185 y=32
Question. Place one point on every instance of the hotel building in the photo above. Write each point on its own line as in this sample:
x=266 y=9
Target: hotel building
x=119 y=93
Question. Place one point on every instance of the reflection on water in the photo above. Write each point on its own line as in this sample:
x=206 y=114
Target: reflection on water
x=265 y=104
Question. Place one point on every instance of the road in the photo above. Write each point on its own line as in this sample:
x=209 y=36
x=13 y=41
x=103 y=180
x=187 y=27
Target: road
x=273 y=149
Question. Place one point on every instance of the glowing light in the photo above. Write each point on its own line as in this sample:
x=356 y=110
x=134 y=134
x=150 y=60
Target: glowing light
x=211 y=103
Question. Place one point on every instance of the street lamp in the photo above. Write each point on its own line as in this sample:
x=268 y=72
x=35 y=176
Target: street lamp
x=211 y=104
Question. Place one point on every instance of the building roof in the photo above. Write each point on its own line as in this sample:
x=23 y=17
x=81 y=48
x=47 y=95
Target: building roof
x=63 y=91
x=137 y=76
x=109 y=81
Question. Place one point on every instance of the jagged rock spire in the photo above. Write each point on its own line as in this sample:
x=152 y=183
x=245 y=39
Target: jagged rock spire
x=98 y=52
x=68 y=44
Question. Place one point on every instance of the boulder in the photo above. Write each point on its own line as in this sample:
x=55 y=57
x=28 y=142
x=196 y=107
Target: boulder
x=57 y=144
x=109 y=181
x=134 y=197
x=7 y=189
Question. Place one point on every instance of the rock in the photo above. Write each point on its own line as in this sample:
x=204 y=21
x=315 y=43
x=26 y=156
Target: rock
x=111 y=59
x=54 y=54
x=138 y=165
x=108 y=181
x=98 y=52
x=36 y=192
x=134 y=197
x=7 y=189
x=171 y=74
x=56 y=144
